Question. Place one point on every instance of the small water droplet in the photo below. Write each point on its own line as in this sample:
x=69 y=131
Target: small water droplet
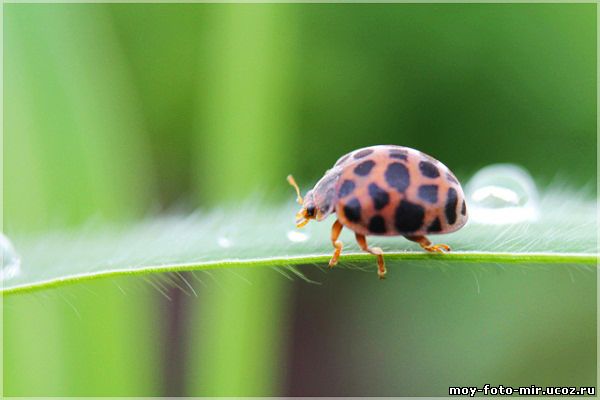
x=224 y=242
x=297 y=237
x=502 y=194
x=11 y=263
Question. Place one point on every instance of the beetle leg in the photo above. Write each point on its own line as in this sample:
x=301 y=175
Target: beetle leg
x=427 y=245
x=336 y=229
x=362 y=242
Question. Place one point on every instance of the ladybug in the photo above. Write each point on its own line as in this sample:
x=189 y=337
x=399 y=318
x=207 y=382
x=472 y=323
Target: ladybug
x=386 y=190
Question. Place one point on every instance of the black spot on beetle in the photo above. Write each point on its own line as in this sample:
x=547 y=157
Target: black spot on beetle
x=428 y=169
x=342 y=160
x=397 y=176
x=451 y=202
x=435 y=226
x=362 y=153
x=364 y=168
x=429 y=193
x=399 y=154
x=380 y=197
x=451 y=177
x=463 y=209
x=346 y=188
x=352 y=210
x=408 y=217
x=377 y=224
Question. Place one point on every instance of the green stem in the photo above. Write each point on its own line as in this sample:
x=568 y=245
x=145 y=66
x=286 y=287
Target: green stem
x=471 y=257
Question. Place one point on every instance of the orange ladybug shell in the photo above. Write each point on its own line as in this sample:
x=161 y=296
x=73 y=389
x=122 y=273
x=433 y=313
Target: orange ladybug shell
x=394 y=190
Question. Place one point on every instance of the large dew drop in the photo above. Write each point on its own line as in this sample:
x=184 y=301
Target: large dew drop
x=502 y=194
x=11 y=263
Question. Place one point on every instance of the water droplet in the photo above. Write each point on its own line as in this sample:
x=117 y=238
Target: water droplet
x=297 y=237
x=502 y=194
x=11 y=263
x=224 y=242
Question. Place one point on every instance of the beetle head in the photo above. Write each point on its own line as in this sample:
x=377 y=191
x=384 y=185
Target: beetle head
x=309 y=208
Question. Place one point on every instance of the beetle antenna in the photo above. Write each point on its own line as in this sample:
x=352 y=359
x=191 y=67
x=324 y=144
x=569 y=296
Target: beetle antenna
x=292 y=182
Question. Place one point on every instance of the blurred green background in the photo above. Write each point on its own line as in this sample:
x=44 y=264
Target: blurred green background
x=112 y=111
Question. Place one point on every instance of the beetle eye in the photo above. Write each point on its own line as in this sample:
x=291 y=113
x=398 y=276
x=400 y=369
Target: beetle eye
x=310 y=211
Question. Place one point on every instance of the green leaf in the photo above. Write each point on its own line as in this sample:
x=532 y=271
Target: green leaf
x=253 y=235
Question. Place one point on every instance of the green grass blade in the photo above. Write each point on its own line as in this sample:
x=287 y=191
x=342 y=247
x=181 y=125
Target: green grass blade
x=474 y=257
x=256 y=236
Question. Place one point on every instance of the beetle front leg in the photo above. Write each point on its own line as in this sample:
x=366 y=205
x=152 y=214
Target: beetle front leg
x=362 y=242
x=336 y=229
x=427 y=245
